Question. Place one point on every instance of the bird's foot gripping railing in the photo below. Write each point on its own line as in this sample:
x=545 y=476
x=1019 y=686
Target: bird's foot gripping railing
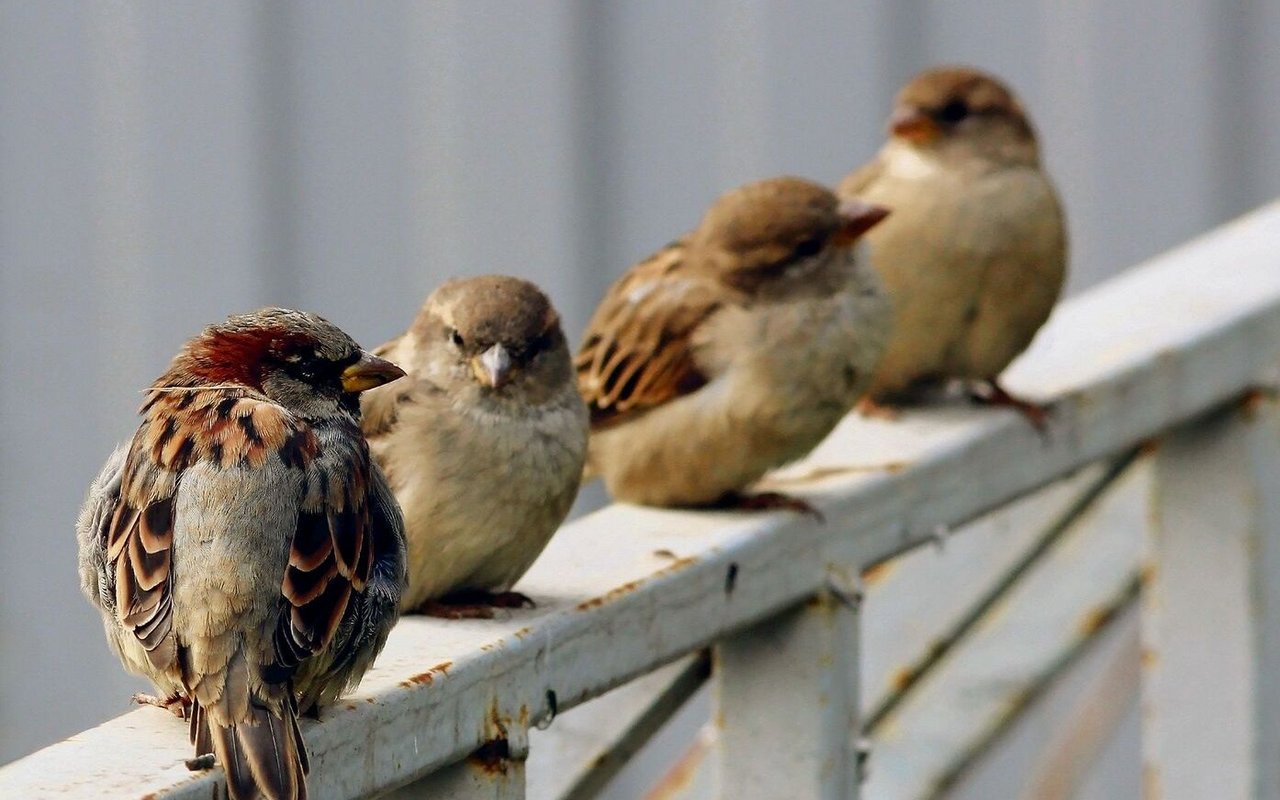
x=1157 y=374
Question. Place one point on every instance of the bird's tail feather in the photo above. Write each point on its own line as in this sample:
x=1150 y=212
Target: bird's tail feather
x=263 y=757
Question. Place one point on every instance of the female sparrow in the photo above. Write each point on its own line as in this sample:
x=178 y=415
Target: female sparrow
x=733 y=350
x=245 y=553
x=483 y=444
x=976 y=251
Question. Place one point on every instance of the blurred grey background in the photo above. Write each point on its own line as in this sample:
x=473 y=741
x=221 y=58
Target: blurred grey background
x=165 y=164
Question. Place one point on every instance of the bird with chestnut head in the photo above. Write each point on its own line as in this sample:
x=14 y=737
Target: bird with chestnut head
x=245 y=553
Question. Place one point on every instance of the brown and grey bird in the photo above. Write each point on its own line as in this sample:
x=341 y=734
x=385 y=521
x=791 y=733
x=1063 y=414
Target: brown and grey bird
x=245 y=552
x=483 y=443
x=734 y=350
x=975 y=253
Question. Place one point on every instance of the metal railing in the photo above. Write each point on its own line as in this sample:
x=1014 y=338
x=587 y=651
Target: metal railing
x=1169 y=356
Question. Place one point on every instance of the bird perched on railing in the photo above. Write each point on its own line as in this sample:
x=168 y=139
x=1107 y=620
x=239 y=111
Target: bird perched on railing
x=483 y=443
x=246 y=554
x=975 y=253
x=735 y=349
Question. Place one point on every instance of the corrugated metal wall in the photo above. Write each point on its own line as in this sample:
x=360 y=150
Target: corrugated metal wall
x=165 y=164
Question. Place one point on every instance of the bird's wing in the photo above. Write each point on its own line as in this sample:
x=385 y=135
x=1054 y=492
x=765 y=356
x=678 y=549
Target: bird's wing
x=371 y=612
x=335 y=544
x=638 y=351
x=96 y=574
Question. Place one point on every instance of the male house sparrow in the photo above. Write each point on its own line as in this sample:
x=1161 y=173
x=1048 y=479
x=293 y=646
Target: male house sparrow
x=733 y=350
x=245 y=553
x=483 y=444
x=975 y=253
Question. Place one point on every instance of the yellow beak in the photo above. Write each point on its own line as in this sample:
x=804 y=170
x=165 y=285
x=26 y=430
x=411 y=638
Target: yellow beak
x=368 y=373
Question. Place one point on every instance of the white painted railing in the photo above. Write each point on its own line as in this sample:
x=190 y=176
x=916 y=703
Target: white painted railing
x=1171 y=352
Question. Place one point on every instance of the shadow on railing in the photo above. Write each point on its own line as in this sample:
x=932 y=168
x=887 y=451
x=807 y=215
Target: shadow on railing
x=1167 y=355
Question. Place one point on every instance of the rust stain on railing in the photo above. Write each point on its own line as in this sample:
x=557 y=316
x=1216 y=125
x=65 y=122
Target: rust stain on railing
x=428 y=677
x=631 y=586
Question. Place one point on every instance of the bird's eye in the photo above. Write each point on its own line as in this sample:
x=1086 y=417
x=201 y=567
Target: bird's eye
x=809 y=247
x=456 y=338
x=538 y=344
x=305 y=366
x=954 y=111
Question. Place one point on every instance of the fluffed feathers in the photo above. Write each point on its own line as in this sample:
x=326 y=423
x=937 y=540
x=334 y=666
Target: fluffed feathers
x=484 y=443
x=974 y=255
x=733 y=350
x=232 y=546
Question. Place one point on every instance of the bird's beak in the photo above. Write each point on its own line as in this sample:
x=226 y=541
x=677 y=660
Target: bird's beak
x=492 y=367
x=858 y=217
x=912 y=124
x=368 y=373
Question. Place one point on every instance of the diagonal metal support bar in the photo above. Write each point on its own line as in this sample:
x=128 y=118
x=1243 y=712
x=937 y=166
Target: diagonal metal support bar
x=1105 y=616
x=613 y=757
x=1001 y=588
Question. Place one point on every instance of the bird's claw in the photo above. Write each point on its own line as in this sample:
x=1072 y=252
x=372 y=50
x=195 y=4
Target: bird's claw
x=176 y=704
x=201 y=762
x=991 y=393
x=474 y=604
x=871 y=409
x=769 y=501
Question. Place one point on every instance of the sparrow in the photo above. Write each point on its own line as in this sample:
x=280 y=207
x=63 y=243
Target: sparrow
x=975 y=253
x=245 y=552
x=483 y=443
x=733 y=350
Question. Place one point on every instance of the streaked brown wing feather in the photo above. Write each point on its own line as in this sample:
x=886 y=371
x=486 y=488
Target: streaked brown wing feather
x=331 y=555
x=638 y=350
x=139 y=544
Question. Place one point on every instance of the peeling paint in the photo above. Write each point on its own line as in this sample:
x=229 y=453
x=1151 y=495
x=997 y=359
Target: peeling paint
x=612 y=594
x=680 y=778
x=838 y=470
x=901 y=679
x=873 y=575
x=493 y=758
x=1151 y=783
x=428 y=677
x=1147 y=573
x=1253 y=399
x=1095 y=619
x=677 y=565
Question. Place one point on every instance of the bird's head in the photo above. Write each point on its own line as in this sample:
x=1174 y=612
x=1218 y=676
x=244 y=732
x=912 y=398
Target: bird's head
x=962 y=111
x=784 y=237
x=297 y=359
x=496 y=337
